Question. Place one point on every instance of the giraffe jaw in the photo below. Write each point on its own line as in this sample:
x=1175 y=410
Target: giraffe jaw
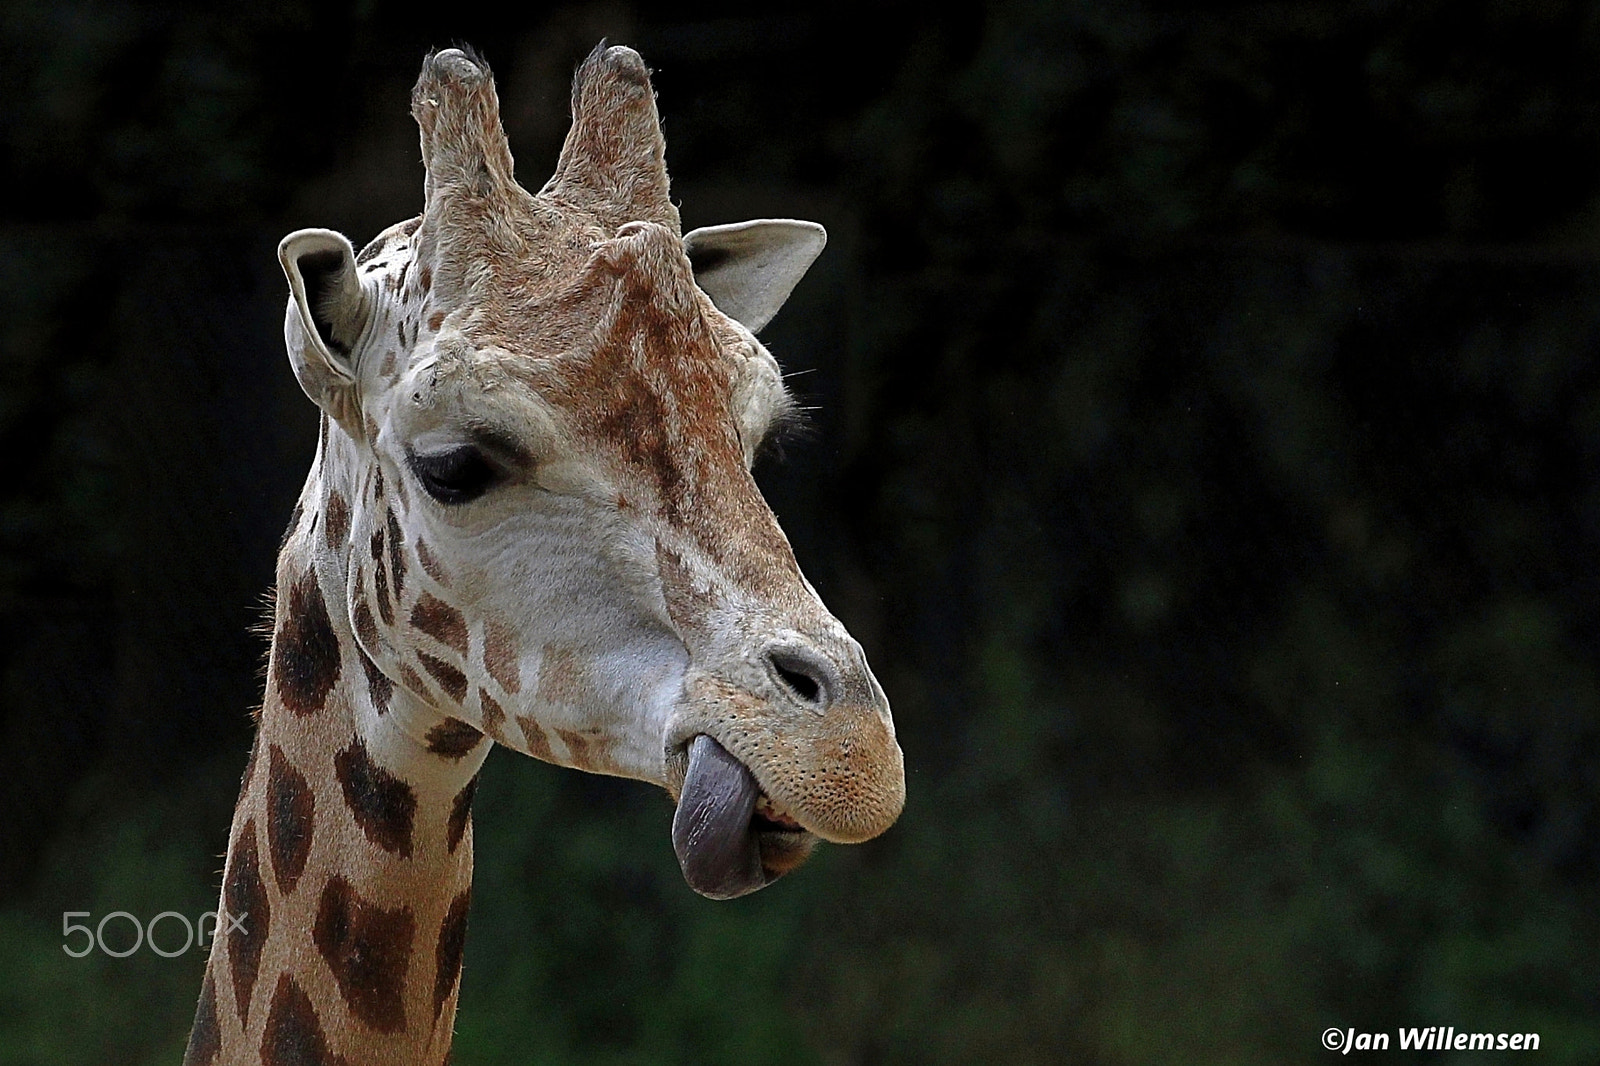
x=730 y=838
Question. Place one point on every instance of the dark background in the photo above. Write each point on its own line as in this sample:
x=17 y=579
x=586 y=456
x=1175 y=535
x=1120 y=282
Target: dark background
x=1206 y=453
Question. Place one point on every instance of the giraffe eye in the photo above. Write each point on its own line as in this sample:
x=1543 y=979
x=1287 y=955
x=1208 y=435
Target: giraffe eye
x=456 y=476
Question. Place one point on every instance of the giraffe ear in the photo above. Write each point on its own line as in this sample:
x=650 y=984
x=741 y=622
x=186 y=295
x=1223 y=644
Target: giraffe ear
x=328 y=311
x=749 y=268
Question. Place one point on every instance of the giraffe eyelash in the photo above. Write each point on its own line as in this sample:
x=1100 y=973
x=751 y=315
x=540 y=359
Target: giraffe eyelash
x=457 y=476
x=790 y=424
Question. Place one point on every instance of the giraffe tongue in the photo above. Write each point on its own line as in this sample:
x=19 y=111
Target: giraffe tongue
x=711 y=831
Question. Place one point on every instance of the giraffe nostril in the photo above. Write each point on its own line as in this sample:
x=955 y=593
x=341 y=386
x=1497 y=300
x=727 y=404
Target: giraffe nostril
x=804 y=675
x=805 y=686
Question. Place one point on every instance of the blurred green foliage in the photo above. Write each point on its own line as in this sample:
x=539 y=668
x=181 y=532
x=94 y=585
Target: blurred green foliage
x=1207 y=454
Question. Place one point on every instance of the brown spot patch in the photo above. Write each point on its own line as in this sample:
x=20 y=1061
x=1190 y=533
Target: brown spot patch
x=337 y=527
x=687 y=604
x=447 y=958
x=435 y=321
x=413 y=681
x=383 y=805
x=538 y=740
x=493 y=715
x=245 y=898
x=380 y=581
x=577 y=747
x=589 y=750
x=397 y=559
x=368 y=948
x=500 y=655
x=379 y=687
x=560 y=676
x=460 y=814
x=450 y=678
x=293 y=1036
x=425 y=277
x=453 y=738
x=305 y=650
x=366 y=628
x=430 y=564
x=440 y=621
x=205 y=1039
x=631 y=413
x=291 y=810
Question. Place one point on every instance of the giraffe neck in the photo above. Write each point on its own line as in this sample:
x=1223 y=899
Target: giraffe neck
x=349 y=862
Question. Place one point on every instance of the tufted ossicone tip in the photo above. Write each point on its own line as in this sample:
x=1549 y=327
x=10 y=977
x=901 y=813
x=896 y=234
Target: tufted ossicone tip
x=613 y=162
x=457 y=110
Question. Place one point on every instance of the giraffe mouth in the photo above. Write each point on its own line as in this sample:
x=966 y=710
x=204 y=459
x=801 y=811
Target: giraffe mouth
x=769 y=817
x=730 y=838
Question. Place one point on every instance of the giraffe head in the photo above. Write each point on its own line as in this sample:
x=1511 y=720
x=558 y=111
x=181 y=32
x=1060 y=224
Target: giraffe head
x=543 y=411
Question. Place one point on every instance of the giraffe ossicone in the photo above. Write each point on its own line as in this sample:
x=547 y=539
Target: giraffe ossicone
x=530 y=521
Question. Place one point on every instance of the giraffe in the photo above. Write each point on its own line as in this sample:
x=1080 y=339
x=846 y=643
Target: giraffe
x=530 y=521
